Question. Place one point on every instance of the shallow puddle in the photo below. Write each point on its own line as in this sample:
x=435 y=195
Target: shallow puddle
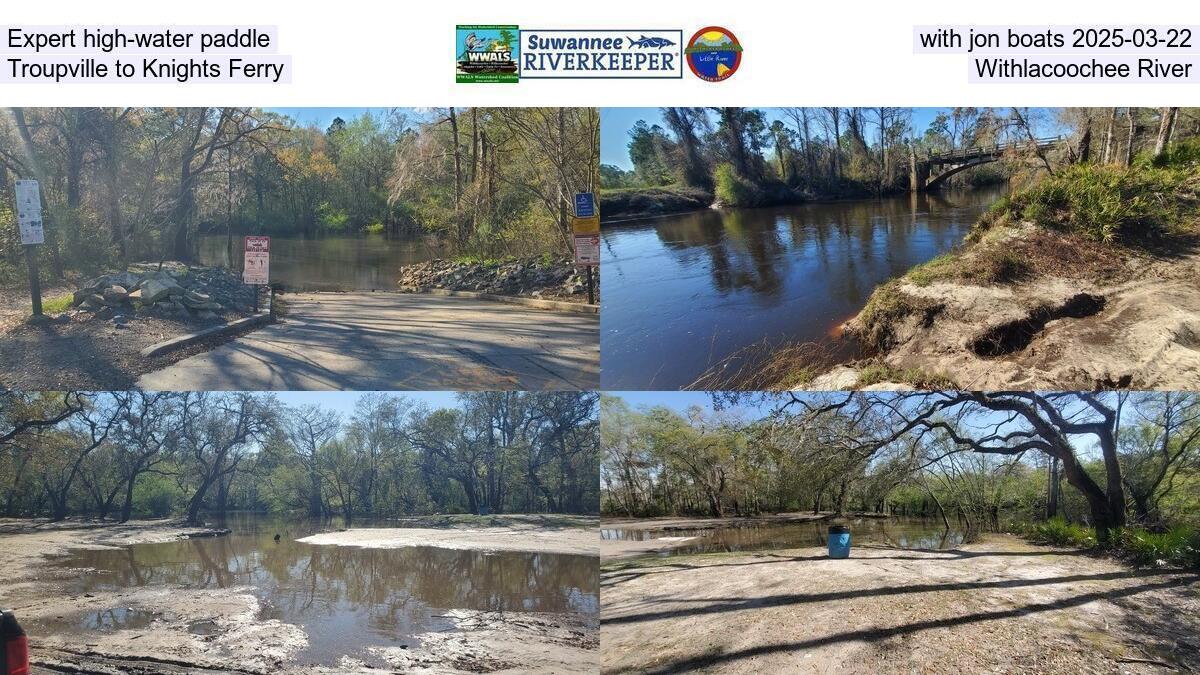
x=913 y=533
x=345 y=598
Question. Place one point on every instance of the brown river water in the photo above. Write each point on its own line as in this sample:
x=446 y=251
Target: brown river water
x=345 y=598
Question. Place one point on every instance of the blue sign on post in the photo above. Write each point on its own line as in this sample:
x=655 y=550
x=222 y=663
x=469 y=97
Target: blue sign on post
x=585 y=204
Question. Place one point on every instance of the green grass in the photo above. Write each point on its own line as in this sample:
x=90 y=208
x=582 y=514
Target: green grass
x=888 y=306
x=878 y=372
x=56 y=305
x=941 y=268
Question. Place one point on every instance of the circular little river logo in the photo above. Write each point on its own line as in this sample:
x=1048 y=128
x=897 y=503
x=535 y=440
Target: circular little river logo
x=713 y=54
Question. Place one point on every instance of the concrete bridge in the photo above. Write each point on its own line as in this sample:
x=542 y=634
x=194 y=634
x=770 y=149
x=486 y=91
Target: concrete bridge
x=929 y=172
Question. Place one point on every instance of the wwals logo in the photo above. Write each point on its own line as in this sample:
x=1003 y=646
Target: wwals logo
x=486 y=54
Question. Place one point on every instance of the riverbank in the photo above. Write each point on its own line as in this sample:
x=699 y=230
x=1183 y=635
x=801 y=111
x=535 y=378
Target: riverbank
x=165 y=639
x=151 y=625
x=1085 y=280
x=614 y=549
x=1000 y=604
x=541 y=277
x=533 y=533
x=628 y=204
x=1103 y=319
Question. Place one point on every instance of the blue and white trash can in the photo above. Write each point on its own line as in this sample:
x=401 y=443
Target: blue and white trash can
x=839 y=541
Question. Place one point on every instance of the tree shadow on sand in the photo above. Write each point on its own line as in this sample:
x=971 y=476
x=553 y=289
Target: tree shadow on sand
x=1159 y=618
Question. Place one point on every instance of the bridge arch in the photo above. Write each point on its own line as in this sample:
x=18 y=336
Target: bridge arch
x=934 y=182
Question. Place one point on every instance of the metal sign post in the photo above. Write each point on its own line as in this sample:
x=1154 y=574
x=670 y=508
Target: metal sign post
x=29 y=222
x=256 y=266
x=586 y=228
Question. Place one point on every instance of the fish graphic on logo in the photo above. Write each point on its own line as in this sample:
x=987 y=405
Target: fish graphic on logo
x=644 y=42
x=713 y=54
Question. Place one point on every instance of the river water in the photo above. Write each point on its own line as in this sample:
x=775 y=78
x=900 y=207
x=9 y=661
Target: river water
x=896 y=532
x=345 y=598
x=681 y=293
x=333 y=263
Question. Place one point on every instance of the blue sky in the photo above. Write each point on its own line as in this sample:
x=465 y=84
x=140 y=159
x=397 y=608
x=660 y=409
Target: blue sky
x=680 y=401
x=323 y=117
x=344 y=401
x=615 y=124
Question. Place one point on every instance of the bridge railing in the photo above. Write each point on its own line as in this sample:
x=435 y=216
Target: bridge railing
x=993 y=149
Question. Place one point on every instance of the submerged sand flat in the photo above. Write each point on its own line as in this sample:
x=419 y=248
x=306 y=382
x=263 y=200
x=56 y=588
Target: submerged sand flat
x=191 y=630
x=569 y=541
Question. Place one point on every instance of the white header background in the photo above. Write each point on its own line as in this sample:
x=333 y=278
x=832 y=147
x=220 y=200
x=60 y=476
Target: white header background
x=380 y=53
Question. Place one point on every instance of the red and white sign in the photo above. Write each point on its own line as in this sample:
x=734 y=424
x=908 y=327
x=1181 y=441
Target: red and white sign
x=256 y=268
x=587 y=249
x=259 y=244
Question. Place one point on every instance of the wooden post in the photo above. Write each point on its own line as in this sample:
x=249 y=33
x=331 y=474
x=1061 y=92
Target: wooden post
x=591 y=286
x=35 y=283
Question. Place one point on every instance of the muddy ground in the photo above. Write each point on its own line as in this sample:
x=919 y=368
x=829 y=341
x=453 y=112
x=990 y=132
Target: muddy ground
x=198 y=631
x=571 y=535
x=1000 y=605
x=1132 y=321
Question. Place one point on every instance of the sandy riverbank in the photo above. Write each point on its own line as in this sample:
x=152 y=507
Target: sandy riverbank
x=1081 y=316
x=659 y=533
x=1001 y=605
x=169 y=629
x=234 y=638
x=568 y=535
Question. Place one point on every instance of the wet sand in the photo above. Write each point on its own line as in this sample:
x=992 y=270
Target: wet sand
x=1001 y=605
x=170 y=629
x=576 y=536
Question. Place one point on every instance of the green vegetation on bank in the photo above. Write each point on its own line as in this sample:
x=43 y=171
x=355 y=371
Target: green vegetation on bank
x=1179 y=545
x=1084 y=220
x=748 y=157
x=620 y=203
x=124 y=454
x=1110 y=204
x=980 y=461
x=124 y=185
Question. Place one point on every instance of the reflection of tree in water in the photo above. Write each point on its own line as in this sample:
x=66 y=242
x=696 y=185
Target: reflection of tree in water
x=396 y=590
x=744 y=247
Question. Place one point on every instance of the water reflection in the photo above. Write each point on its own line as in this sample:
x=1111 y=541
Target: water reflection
x=683 y=292
x=367 y=262
x=912 y=533
x=345 y=598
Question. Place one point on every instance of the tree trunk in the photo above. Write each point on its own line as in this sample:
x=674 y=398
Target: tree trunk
x=1108 y=136
x=1165 y=127
x=1131 y=112
x=127 y=507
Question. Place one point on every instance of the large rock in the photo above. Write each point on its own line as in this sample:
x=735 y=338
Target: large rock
x=115 y=294
x=155 y=289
